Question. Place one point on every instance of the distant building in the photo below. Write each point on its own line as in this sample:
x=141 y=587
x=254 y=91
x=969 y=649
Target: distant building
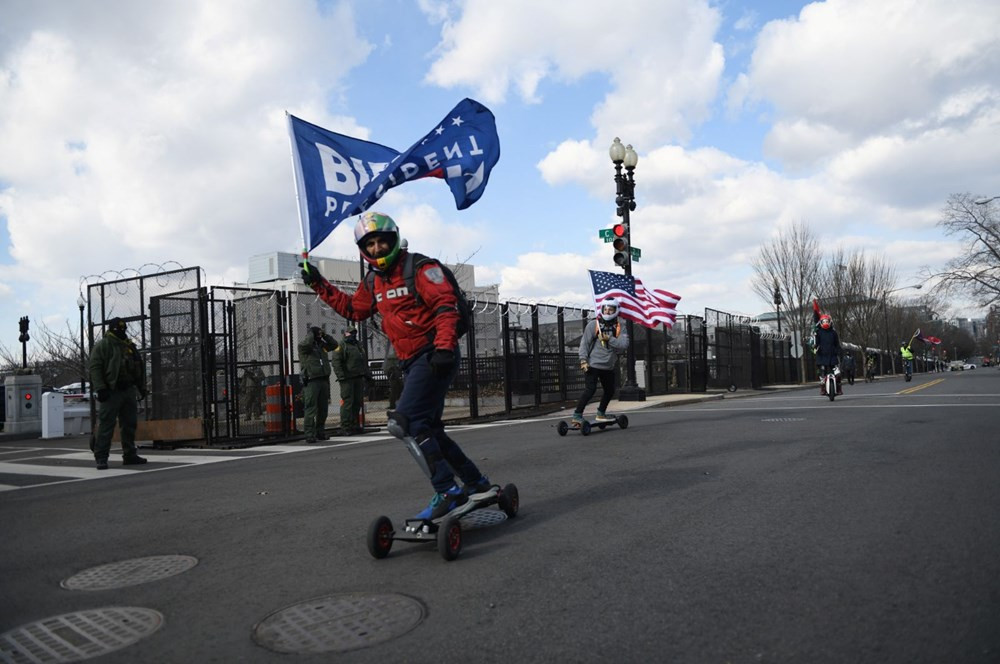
x=976 y=327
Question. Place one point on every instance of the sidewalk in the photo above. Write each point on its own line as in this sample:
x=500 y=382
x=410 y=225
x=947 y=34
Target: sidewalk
x=684 y=398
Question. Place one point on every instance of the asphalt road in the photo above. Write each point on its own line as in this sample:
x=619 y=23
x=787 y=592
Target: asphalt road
x=772 y=528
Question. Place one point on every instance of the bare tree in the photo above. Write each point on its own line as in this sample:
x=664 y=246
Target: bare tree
x=976 y=270
x=792 y=260
x=53 y=355
x=851 y=290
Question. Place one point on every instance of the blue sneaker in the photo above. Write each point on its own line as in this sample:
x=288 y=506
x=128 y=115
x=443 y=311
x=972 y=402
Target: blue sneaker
x=480 y=489
x=442 y=503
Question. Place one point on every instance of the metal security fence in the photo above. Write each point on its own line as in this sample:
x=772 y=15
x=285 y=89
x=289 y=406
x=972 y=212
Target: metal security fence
x=224 y=370
x=165 y=317
x=251 y=394
x=743 y=355
x=729 y=351
x=541 y=352
x=685 y=359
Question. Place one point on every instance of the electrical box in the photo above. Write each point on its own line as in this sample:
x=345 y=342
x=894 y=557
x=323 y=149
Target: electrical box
x=53 y=425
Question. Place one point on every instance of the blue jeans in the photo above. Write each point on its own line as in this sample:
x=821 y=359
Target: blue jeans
x=422 y=405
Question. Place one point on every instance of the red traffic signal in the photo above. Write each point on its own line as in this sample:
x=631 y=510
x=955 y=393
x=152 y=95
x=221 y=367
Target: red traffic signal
x=620 y=245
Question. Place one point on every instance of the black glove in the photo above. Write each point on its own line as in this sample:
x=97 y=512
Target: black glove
x=103 y=394
x=310 y=274
x=442 y=362
x=305 y=381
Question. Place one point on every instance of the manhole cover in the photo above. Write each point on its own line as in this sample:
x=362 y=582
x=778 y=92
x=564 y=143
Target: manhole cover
x=72 y=637
x=482 y=518
x=784 y=419
x=129 y=572
x=339 y=623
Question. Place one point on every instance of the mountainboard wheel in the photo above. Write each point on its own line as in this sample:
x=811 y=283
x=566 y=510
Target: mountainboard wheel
x=601 y=426
x=585 y=428
x=449 y=539
x=622 y=422
x=380 y=537
x=508 y=501
x=562 y=428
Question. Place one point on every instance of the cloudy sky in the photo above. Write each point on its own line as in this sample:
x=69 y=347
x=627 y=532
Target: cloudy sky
x=136 y=135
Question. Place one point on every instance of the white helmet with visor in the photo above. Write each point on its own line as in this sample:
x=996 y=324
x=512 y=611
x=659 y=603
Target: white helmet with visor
x=609 y=309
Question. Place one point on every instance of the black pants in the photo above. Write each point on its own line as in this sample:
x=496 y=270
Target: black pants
x=607 y=378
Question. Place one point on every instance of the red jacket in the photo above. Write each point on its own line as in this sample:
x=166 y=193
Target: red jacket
x=410 y=325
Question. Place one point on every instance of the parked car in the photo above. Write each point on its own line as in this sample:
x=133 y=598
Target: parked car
x=75 y=391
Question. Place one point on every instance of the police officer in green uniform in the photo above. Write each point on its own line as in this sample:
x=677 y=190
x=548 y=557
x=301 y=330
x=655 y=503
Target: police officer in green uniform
x=351 y=368
x=314 y=358
x=118 y=377
x=394 y=373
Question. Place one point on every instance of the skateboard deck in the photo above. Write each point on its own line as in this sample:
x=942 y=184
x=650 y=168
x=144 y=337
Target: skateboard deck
x=447 y=531
x=564 y=427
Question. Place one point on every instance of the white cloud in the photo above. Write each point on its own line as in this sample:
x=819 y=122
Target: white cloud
x=163 y=140
x=661 y=59
x=863 y=68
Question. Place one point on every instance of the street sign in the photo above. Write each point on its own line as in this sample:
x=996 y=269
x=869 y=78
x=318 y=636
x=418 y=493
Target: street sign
x=636 y=253
x=606 y=234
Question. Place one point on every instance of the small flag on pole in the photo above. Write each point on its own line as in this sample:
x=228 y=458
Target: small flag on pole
x=645 y=306
x=934 y=341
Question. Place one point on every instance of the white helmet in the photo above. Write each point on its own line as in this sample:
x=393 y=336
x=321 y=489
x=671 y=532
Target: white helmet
x=609 y=309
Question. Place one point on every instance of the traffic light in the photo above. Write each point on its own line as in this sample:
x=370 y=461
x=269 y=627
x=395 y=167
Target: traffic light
x=620 y=244
x=24 y=338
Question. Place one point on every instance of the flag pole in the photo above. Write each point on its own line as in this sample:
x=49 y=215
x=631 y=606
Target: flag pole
x=300 y=193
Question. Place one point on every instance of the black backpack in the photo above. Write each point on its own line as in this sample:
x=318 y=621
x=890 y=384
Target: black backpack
x=413 y=261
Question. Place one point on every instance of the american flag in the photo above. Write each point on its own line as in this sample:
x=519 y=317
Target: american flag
x=646 y=306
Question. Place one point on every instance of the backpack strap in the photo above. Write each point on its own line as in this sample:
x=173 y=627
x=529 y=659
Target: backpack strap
x=415 y=261
x=410 y=265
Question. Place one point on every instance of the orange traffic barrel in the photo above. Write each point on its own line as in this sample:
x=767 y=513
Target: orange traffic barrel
x=272 y=409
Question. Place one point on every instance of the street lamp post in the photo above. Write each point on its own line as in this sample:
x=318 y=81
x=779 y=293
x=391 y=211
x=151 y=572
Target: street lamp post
x=885 y=319
x=777 y=303
x=625 y=201
x=80 y=302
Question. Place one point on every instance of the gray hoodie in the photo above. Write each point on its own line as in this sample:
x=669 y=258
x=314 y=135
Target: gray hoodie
x=602 y=354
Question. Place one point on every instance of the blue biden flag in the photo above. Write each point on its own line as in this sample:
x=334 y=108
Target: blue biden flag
x=337 y=176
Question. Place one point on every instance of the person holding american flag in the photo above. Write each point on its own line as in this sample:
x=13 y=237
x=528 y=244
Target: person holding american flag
x=601 y=344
